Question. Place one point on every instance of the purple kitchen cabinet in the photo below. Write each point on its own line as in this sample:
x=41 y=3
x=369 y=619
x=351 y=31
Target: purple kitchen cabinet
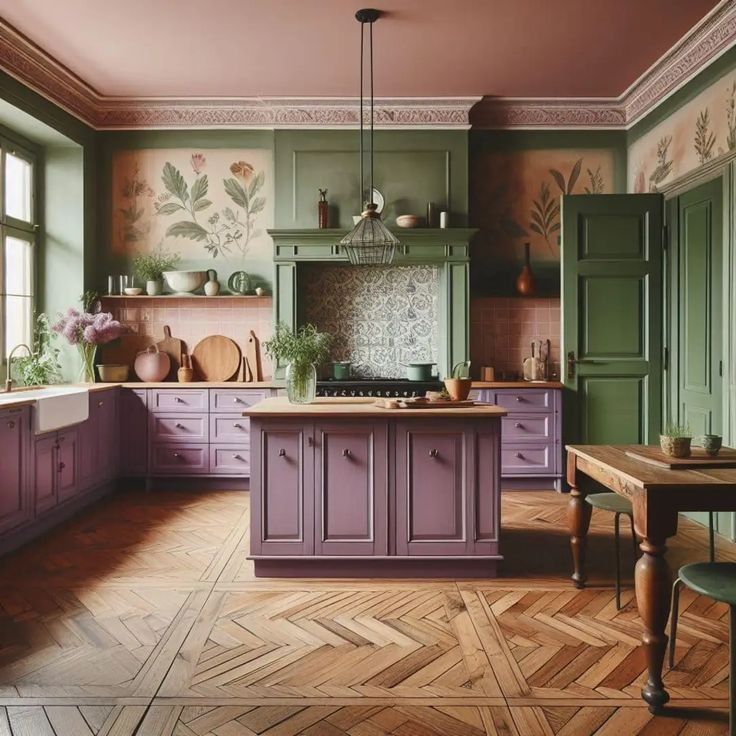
x=351 y=489
x=177 y=401
x=224 y=400
x=15 y=503
x=229 y=460
x=133 y=438
x=45 y=471
x=433 y=469
x=179 y=428
x=531 y=442
x=98 y=440
x=180 y=459
x=230 y=428
x=67 y=464
x=282 y=488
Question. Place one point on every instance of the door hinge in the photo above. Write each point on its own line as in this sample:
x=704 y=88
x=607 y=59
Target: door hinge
x=720 y=368
x=666 y=359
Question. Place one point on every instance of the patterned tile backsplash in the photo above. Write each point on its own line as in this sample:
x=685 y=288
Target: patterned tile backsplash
x=502 y=328
x=379 y=316
x=196 y=317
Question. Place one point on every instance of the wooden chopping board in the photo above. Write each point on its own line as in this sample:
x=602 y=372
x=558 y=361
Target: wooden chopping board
x=653 y=455
x=174 y=348
x=125 y=350
x=216 y=358
x=409 y=404
x=253 y=366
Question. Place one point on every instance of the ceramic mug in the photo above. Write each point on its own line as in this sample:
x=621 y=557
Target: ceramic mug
x=711 y=443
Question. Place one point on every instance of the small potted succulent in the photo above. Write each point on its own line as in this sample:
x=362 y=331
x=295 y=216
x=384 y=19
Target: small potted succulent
x=302 y=351
x=459 y=384
x=150 y=268
x=675 y=440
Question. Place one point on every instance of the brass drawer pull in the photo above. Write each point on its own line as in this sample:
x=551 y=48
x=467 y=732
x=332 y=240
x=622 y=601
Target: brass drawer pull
x=434 y=453
x=347 y=453
x=282 y=452
x=519 y=425
x=237 y=425
x=520 y=455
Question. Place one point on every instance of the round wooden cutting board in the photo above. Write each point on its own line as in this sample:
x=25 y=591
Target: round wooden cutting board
x=216 y=358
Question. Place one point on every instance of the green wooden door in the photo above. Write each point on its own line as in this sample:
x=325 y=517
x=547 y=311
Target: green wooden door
x=696 y=296
x=612 y=317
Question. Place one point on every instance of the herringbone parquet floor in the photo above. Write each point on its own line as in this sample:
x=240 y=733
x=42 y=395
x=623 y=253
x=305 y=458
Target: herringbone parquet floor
x=142 y=616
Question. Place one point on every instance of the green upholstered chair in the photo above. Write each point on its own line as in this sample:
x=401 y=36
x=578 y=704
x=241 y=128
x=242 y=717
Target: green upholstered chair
x=618 y=505
x=717 y=580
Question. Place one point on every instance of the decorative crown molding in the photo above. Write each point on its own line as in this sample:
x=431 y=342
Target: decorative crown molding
x=35 y=68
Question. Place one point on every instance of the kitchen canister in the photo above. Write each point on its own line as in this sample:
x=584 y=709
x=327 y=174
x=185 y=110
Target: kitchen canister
x=151 y=365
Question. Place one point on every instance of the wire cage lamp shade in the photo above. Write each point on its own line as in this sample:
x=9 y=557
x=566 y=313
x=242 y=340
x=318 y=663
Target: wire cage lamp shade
x=370 y=242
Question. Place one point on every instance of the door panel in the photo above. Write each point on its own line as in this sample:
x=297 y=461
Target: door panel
x=14 y=501
x=67 y=464
x=612 y=317
x=351 y=489
x=699 y=306
x=45 y=472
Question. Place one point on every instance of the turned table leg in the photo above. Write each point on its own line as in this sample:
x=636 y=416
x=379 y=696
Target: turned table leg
x=653 y=581
x=578 y=520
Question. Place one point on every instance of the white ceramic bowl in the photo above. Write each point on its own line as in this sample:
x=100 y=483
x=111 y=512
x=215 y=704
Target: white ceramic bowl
x=185 y=282
x=408 y=221
x=132 y=290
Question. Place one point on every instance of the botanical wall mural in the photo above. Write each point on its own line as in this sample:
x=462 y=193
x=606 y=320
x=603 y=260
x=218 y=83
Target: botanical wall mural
x=209 y=205
x=515 y=198
x=696 y=133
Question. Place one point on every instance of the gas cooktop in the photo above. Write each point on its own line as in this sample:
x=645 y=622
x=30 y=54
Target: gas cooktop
x=386 y=387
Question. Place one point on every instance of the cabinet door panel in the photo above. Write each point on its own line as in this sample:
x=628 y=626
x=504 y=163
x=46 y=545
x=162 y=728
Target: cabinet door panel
x=67 y=465
x=133 y=433
x=14 y=503
x=45 y=473
x=432 y=489
x=282 y=520
x=351 y=489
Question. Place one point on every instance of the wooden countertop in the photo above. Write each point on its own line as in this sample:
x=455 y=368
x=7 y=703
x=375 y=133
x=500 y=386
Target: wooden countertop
x=517 y=384
x=363 y=407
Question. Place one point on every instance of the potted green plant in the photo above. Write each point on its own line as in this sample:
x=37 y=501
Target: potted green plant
x=41 y=367
x=459 y=384
x=150 y=267
x=675 y=440
x=302 y=351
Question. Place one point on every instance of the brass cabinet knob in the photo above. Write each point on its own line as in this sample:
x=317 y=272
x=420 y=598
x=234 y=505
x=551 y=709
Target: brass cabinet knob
x=100 y=403
x=236 y=456
x=347 y=453
x=434 y=453
x=282 y=452
x=520 y=455
x=61 y=466
x=11 y=425
x=178 y=399
x=237 y=425
x=179 y=425
x=519 y=425
x=236 y=400
x=520 y=398
x=175 y=454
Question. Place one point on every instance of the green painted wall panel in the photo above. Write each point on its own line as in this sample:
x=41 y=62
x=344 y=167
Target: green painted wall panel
x=613 y=410
x=610 y=314
x=615 y=236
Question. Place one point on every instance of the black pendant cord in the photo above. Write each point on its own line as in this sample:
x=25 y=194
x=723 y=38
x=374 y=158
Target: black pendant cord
x=370 y=37
x=360 y=188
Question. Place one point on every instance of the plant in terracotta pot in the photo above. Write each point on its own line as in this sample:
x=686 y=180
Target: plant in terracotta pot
x=675 y=440
x=150 y=268
x=302 y=351
x=459 y=384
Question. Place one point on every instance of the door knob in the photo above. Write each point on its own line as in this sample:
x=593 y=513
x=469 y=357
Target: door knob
x=434 y=453
x=282 y=452
x=237 y=425
x=347 y=453
x=572 y=361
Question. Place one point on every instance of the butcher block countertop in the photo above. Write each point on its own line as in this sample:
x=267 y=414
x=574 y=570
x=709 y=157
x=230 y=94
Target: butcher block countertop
x=363 y=407
x=517 y=384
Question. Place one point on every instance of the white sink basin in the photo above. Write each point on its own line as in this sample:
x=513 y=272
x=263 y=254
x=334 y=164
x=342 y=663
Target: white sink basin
x=55 y=406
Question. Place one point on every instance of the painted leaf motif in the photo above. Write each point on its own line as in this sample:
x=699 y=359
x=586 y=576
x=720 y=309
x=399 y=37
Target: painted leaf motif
x=256 y=184
x=236 y=192
x=559 y=179
x=169 y=208
x=574 y=175
x=536 y=229
x=186 y=229
x=199 y=188
x=257 y=205
x=174 y=182
x=201 y=204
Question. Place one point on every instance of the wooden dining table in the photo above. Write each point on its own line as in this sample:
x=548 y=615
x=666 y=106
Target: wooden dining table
x=657 y=496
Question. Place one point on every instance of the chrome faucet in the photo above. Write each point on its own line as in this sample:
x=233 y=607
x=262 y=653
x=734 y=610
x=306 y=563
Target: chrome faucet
x=9 y=380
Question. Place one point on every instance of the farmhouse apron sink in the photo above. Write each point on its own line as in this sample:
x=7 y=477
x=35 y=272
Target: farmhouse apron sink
x=54 y=407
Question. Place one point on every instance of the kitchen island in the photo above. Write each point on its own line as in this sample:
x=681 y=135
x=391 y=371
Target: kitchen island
x=344 y=488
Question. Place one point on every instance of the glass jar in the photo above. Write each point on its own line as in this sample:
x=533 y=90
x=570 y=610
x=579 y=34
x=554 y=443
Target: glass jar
x=301 y=383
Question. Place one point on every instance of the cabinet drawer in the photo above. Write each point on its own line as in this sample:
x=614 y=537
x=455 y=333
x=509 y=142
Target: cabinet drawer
x=522 y=427
x=180 y=427
x=229 y=428
x=525 y=399
x=229 y=460
x=523 y=459
x=235 y=400
x=177 y=401
x=180 y=459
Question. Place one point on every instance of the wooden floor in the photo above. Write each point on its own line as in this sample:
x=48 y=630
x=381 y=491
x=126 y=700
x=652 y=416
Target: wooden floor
x=143 y=617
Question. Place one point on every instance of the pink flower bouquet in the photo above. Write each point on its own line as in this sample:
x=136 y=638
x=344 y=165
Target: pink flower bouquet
x=88 y=330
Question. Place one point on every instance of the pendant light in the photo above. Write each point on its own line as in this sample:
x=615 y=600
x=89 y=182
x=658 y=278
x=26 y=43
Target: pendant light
x=370 y=242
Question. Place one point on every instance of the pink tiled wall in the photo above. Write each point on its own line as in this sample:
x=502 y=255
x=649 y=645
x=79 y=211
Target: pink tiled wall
x=193 y=318
x=502 y=328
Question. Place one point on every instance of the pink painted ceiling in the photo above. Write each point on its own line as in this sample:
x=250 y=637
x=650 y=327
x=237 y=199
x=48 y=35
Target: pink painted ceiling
x=513 y=48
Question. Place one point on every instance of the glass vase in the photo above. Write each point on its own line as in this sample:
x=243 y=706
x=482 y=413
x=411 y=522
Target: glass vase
x=87 y=353
x=301 y=383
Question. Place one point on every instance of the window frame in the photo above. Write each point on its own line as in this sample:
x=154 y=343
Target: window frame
x=16 y=228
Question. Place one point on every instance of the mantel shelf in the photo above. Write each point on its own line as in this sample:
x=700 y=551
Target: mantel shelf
x=186 y=296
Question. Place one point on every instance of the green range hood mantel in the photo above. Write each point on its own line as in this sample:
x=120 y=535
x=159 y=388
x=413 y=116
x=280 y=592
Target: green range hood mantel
x=447 y=248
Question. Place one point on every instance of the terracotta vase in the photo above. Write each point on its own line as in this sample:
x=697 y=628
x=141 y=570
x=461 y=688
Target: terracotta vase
x=526 y=284
x=323 y=210
x=458 y=388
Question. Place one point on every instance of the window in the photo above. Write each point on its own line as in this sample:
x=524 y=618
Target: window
x=18 y=237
